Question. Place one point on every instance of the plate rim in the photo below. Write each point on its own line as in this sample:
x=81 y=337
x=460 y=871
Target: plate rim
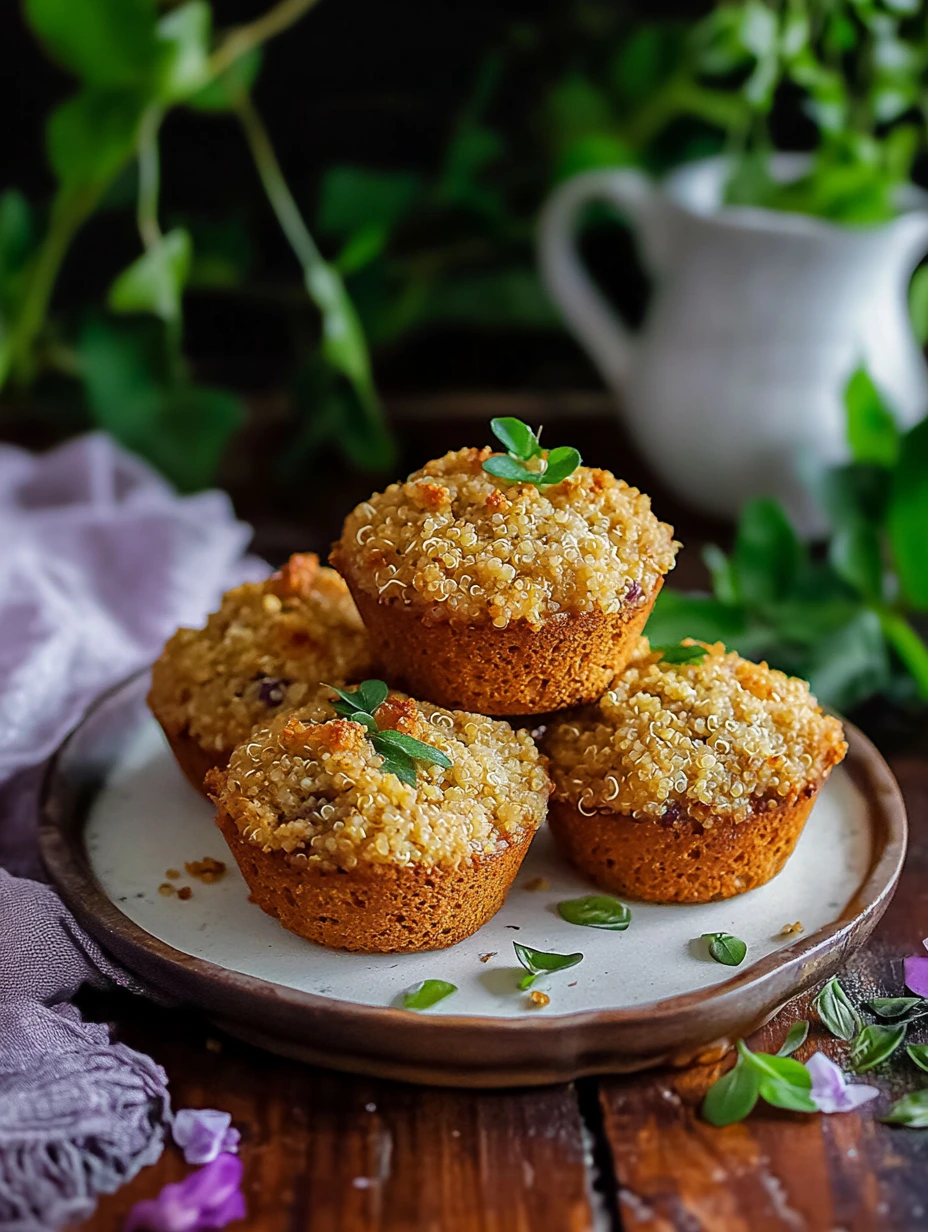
x=65 y=857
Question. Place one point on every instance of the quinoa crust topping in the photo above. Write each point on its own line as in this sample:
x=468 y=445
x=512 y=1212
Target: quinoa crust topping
x=317 y=791
x=266 y=649
x=471 y=549
x=722 y=739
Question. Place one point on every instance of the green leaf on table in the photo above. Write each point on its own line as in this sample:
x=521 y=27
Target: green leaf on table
x=795 y=1037
x=416 y=749
x=767 y=556
x=918 y=303
x=896 y=1007
x=679 y=655
x=733 y=1096
x=184 y=42
x=107 y=43
x=226 y=89
x=427 y=994
x=785 y=1083
x=726 y=949
x=907 y=515
x=871 y=427
x=874 y=1044
x=353 y=198
x=596 y=911
x=91 y=135
x=919 y=1054
x=540 y=962
x=155 y=281
x=836 y=1011
x=911 y=1110
x=518 y=437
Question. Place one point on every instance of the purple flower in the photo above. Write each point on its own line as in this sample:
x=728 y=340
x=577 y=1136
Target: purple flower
x=916 y=973
x=202 y=1133
x=831 y=1091
x=207 y=1198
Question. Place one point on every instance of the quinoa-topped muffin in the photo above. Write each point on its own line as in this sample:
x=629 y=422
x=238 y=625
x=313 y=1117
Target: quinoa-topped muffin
x=265 y=650
x=689 y=782
x=335 y=844
x=504 y=596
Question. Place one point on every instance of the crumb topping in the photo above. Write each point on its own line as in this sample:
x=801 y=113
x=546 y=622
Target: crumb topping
x=470 y=548
x=265 y=650
x=720 y=739
x=316 y=790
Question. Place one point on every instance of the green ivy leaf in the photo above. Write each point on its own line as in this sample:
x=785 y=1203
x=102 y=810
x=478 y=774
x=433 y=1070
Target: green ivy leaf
x=795 y=1037
x=875 y=1044
x=91 y=136
x=871 y=427
x=726 y=949
x=427 y=994
x=108 y=44
x=184 y=39
x=733 y=1096
x=224 y=91
x=155 y=281
x=907 y=516
x=596 y=911
x=836 y=1011
x=353 y=198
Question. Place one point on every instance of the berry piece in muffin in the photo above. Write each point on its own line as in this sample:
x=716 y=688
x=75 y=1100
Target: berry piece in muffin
x=505 y=595
x=266 y=650
x=689 y=781
x=333 y=842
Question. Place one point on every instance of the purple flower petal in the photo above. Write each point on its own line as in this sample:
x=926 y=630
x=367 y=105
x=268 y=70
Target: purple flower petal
x=831 y=1091
x=207 y=1198
x=202 y=1133
x=916 y=975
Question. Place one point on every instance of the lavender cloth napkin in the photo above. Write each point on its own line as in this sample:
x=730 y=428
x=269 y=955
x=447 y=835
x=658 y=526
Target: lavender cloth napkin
x=99 y=562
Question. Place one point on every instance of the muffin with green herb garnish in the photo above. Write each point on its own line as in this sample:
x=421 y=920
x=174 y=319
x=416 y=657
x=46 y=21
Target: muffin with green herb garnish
x=507 y=583
x=394 y=825
x=692 y=778
x=266 y=650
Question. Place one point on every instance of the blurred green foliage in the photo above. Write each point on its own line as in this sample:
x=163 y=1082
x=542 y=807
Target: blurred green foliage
x=404 y=249
x=847 y=623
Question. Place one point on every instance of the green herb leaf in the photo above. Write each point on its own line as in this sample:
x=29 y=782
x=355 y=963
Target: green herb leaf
x=416 y=749
x=520 y=441
x=504 y=467
x=91 y=135
x=733 y=1096
x=183 y=40
x=680 y=654
x=871 y=427
x=726 y=949
x=919 y=1054
x=372 y=693
x=539 y=962
x=562 y=462
x=428 y=993
x=896 y=1007
x=874 y=1044
x=399 y=763
x=155 y=281
x=596 y=911
x=911 y=1110
x=795 y=1038
x=112 y=44
x=785 y=1083
x=357 y=199
x=836 y=1011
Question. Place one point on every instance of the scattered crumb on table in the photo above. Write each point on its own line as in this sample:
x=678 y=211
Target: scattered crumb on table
x=573 y=984
x=788 y=929
x=173 y=873
x=537 y=883
x=185 y=892
x=166 y=888
x=487 y=957
x=206 y=870
x=539 y=999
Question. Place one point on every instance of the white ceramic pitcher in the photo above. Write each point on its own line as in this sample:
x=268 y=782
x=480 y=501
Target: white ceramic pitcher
x=734 y=386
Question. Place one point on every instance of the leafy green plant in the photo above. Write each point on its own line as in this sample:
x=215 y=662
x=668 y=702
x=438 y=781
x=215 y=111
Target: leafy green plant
x=134 y=65
x=399 y=751
x=525 y=461
x=849 y=623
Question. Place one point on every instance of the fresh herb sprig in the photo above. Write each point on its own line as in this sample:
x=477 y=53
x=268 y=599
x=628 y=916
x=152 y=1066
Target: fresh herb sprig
x=427 y=994
x=596 y=911
x=779 y=1080
x=522 y=449
x=677 y=655
x=726 y=949
x=539 y=962
x=836 y=1012
x=874 y=1044
x=399 y=751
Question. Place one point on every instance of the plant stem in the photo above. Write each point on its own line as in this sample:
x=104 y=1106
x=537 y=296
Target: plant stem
x=908 y=646
x=69 y=211
x=246 y=38
x=149 y=176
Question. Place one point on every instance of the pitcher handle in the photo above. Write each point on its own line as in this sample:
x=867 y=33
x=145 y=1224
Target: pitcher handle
x=588 y=314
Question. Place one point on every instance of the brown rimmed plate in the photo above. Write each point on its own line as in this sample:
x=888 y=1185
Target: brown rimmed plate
x=117 y=814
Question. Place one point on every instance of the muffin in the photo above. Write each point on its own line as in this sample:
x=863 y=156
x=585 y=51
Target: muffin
x=265 y=650
x=501 y=597
x=346 y=854
x=689 y=782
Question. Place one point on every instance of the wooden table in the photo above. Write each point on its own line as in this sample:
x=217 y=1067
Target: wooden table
x=326 y=1152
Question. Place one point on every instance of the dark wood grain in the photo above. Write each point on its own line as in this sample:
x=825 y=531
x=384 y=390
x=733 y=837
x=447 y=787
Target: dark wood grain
x=781 y=1172
x=326 y=1152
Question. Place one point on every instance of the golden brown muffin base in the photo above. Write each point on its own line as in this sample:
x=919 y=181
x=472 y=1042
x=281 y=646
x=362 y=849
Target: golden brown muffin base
x=193 y=759
x=683 y=863
x=570 y=659
x=376 y=908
